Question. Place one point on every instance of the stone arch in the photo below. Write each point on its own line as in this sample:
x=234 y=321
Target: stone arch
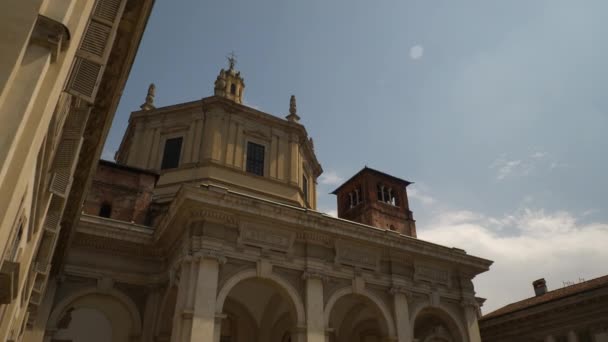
x=234 y=310
x=269 y=316
x=445 y=313
x=280 y=326
x=64 y=305
x=277 y=280
x=368 y=296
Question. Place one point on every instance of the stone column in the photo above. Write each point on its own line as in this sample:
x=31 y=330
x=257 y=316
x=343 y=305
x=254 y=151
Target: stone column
x=315 y=318
x=402 y=315
x=572 y=336
x=298 y=334
x=203 y=318
x=550 y=338
x=470 y=307
x=217 y=332
x=195 y=308
x=180 y=318
x=150 y=314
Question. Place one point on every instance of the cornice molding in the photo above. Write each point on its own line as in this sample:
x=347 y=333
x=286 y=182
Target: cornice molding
x=313 y=222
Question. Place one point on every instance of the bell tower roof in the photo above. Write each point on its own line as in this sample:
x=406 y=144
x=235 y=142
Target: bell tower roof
x=229 y=83
x=377 y=199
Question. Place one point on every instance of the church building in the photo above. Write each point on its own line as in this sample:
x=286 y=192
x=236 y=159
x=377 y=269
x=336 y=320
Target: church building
x=206 y=228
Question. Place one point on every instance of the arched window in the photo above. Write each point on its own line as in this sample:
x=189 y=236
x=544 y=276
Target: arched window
x=233 y=89
x=387 y=195
x=354 y=198
x=105 y=210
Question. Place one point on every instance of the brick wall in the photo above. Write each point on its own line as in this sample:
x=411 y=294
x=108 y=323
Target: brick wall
x=371 y=210
x=128 y=191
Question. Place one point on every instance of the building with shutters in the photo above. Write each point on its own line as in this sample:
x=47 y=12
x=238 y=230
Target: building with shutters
x=56 y=57
x=572 y=313
x=206 y=229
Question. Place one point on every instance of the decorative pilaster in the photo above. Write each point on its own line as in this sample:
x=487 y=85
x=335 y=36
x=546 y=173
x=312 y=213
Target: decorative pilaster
x=217 y=332
x=402 y=314
x=203 y=320
x=150 y=312
x=315 y=318
x=195 y=316
x=298 y=334
x=471 y=308
x=294 y=165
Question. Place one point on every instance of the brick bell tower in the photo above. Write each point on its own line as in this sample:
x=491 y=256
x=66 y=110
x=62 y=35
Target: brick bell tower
x=377 y=199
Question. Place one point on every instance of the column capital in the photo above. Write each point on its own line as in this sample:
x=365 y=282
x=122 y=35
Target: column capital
x=212 y=255
x=393 y=290
x=469 y=303
x=219 y=316
x=309 y=274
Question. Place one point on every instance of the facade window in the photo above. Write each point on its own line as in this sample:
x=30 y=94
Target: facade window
x=386 y=195
x=305 y=187
x=355 y=197
x=233 y=89
x=12 y=256
x=255 y=158
x=105 y=210
x=171 y=154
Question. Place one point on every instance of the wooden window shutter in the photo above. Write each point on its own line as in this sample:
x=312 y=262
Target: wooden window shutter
x=66 y=155
x=94 y=50
x=53 y=215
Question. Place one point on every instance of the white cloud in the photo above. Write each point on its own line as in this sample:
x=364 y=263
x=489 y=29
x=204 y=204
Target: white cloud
x=524 y=166
x=416 y=52
x=331 y=212
x=538 y=155
x=525 y=245
x=420 y=196
x=506 y=167
x=589 y=212
x=557 y=165
x=331 y=178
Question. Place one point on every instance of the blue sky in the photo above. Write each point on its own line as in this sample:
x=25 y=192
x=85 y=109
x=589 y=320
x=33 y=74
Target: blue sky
x=496 y=110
